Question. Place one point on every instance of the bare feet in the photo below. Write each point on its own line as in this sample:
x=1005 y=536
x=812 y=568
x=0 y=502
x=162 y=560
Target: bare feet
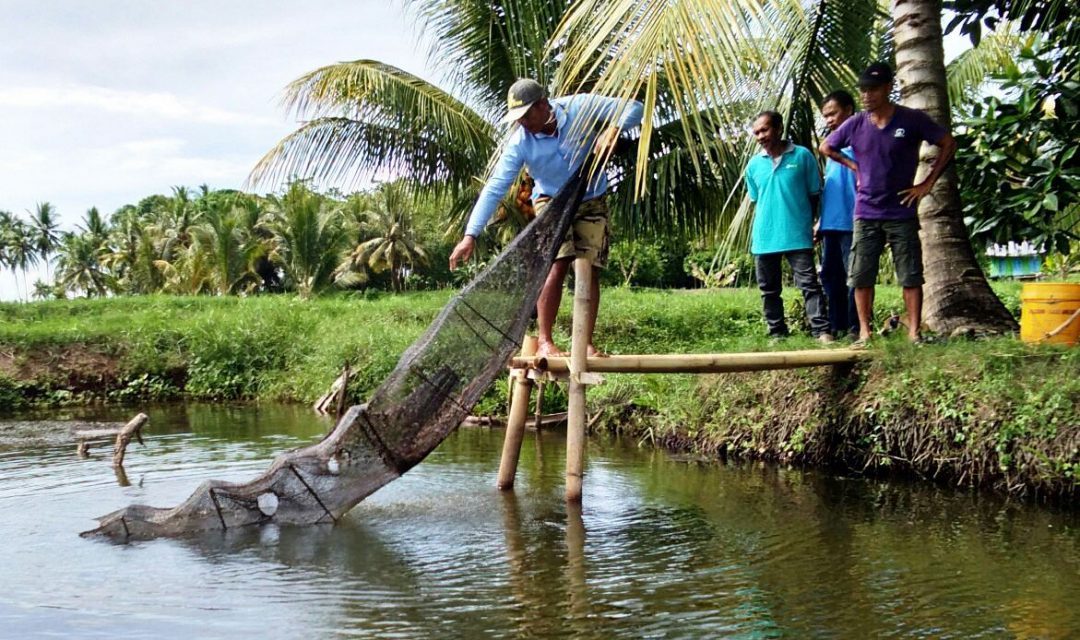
x=863 y=341
x=548 y=349
x=551 y=350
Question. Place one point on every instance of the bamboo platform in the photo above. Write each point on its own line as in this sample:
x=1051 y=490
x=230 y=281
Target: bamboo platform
x=529 y=370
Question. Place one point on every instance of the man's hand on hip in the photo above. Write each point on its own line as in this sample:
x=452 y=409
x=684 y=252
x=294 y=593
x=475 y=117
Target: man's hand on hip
x=462 y=252
x=910 y=197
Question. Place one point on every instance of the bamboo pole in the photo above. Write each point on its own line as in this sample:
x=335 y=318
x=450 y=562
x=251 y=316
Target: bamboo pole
x=699 y=362
x=538 y=407
x=515 y=423
x=575 y=427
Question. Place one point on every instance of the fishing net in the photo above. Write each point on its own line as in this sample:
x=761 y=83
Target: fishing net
x=436 y=383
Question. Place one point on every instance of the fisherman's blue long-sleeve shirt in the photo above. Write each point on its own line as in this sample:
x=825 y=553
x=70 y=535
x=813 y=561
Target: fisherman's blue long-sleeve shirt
x=552 y=160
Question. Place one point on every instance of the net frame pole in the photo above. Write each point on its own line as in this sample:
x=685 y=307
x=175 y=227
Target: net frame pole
x=515 y=422
x=579 y=345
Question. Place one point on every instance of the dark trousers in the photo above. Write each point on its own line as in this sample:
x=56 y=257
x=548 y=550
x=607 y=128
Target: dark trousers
x=769 y=278
x=835 y=253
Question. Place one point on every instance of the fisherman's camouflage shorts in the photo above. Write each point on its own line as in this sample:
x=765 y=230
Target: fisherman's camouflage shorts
x=588 y=236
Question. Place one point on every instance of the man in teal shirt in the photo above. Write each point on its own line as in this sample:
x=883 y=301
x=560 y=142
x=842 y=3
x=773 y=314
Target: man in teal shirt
x=782 y=180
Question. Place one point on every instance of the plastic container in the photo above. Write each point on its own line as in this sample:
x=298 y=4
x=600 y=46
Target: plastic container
x=1045 y=307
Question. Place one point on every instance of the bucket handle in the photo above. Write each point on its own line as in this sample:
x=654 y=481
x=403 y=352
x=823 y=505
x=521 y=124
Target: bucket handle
x=1063 y=327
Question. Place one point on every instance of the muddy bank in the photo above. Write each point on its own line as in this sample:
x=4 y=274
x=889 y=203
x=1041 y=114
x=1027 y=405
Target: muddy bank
x=992 y=415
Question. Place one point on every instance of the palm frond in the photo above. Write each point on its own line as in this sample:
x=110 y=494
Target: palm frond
x=703 y=68
x=995 y=55
x=487 y=44
x=371 y=118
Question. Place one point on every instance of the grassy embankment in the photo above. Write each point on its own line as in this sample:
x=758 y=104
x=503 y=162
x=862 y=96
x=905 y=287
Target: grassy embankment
x=992 y=413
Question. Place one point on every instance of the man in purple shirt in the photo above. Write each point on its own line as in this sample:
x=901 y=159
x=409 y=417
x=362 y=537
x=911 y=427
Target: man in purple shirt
x=886 y=138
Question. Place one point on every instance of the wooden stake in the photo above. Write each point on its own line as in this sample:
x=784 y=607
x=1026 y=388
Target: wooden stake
x=343 y=393
x=133 y=429
x=515 y=423
x=575 y=428
x=130 y=430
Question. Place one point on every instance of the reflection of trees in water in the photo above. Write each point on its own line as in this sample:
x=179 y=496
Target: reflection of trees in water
x=672 y=548
x=830 y=554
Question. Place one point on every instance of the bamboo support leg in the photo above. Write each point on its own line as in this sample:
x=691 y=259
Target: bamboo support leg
x=575 y=427
x=515 y=424
x=538 y=413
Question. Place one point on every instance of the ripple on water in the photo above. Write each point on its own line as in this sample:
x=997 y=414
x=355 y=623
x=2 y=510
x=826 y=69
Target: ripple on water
x=660 y=549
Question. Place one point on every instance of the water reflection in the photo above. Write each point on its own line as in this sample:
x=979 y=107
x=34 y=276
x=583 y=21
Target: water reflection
x=662 y=548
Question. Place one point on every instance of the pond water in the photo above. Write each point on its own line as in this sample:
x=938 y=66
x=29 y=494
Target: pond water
x=663 y=548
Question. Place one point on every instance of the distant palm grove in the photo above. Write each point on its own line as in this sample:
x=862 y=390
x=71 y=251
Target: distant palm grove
x=701 y=67
x=226 y=242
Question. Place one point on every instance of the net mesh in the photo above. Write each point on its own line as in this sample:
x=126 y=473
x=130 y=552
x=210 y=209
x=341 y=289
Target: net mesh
x=434 y=386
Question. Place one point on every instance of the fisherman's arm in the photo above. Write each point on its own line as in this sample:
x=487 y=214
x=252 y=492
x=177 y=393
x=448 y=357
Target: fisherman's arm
x=813 y=189
x=506 y=171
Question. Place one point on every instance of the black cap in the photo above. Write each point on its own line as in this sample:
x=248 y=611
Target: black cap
x=876 y=75
x=521 y=96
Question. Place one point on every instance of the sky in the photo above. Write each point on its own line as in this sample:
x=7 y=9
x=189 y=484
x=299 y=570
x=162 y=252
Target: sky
x=104 y=102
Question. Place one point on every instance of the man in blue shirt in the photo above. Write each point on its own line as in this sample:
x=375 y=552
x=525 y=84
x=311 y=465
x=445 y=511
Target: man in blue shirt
x=836 y=222
x=781 y=181
x=552 y=142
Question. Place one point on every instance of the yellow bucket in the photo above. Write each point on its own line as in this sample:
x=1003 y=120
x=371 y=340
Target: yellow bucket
x=1046 y=307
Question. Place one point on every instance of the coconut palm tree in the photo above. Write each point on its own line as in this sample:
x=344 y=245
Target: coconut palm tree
x=132 y=251
x=95 y=225
x=21 y=250
x=308 y=238
x=365 y=119
x=46 y=231
x=223 y=237
x=173 y=222
x=79 y=265
x=390 y=244
x=6 y=220
x=957 y=293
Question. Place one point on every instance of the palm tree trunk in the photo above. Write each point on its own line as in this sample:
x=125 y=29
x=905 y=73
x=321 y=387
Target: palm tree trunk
x=958 y=296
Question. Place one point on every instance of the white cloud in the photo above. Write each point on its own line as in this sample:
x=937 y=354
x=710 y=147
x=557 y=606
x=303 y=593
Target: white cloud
x=137 y=103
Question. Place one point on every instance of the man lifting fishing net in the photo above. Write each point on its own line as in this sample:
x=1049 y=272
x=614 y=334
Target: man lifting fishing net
x=552 y=143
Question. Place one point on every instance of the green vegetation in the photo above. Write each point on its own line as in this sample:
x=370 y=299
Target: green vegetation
x=1018 y=173
x=992 y=412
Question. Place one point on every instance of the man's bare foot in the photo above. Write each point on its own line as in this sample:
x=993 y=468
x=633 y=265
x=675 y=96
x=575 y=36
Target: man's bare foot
x=549 y=350
x=593 y=352
x=862 y=342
